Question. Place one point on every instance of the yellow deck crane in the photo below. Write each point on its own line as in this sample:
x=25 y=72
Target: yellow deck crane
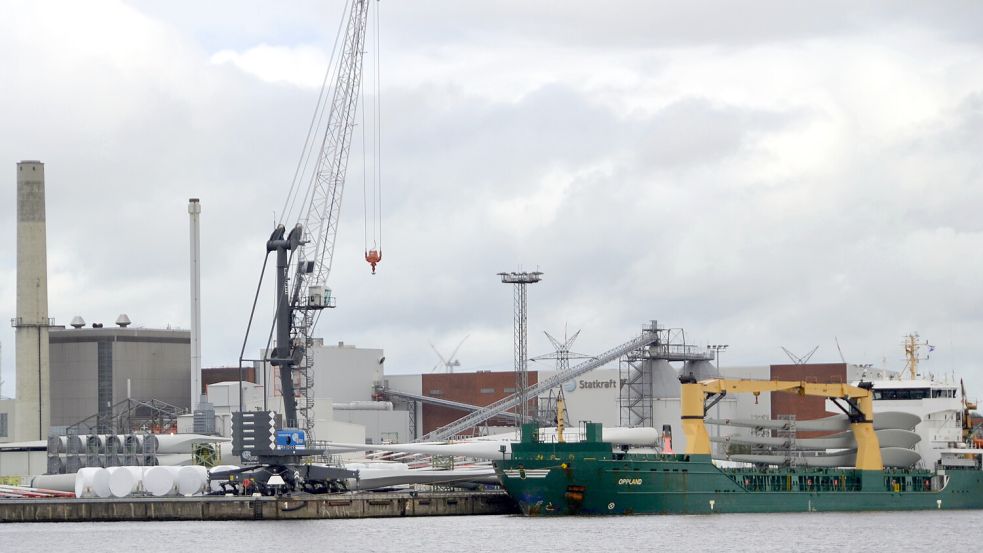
x=856 y=401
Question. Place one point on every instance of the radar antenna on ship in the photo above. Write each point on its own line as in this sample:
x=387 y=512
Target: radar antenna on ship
x=911 y=351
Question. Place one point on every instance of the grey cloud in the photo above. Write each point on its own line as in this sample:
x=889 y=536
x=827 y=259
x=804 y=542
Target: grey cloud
x=650 y=225
x=626 y=24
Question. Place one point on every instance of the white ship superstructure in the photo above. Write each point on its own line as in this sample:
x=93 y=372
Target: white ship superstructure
x=937 y=403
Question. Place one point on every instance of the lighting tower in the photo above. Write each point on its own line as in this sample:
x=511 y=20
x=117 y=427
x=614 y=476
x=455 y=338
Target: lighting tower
x=520 y=280
x=717 y=348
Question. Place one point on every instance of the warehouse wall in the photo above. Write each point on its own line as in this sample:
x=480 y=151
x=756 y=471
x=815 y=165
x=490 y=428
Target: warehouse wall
x=805 y=407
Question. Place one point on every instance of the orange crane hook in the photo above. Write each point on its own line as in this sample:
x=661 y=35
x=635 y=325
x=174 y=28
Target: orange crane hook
x=373 y=257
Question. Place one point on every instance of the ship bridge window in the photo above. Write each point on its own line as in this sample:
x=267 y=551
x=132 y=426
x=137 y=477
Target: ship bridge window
x=903 y=394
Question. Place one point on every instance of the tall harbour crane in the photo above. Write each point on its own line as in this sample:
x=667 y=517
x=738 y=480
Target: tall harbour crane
x=304 y=243
x=311 y=241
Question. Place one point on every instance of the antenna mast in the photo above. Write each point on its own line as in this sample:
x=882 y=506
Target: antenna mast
x=911 y=349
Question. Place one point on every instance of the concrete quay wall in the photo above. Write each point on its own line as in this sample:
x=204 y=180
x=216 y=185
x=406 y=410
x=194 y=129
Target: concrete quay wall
x=361 y=505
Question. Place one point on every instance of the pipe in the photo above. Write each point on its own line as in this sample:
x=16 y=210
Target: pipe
x=363 y=406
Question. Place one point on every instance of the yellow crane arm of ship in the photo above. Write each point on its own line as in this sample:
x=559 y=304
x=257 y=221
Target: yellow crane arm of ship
x=856 y=401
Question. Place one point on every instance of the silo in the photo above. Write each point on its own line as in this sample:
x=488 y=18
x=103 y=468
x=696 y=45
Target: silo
x=700 y=370
x=648 y=380
x=33 y=406
x=665 y=379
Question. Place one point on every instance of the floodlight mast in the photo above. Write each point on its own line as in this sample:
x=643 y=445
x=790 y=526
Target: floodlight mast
x=520 y=331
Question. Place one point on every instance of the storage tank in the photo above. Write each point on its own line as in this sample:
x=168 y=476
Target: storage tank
x=191 y=480
x=700 y=370
x=665 y=379
x=160 y=481
x=123 y=481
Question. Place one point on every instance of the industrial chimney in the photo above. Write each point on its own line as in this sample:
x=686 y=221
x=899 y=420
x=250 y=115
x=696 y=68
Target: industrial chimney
x=194 y=210
x=33 y=406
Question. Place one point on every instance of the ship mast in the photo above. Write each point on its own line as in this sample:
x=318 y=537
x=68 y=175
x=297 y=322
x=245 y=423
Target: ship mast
x=911 y=348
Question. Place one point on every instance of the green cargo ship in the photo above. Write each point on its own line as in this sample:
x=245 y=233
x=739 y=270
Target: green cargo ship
x=588 y=477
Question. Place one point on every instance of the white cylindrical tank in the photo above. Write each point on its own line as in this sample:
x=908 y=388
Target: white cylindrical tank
x=123 y=481
x=160 y=481
x=92 y=482
x=191 y=480
x=100 y=483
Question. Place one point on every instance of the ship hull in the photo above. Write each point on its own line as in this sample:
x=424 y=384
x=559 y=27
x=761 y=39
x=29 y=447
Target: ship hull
x=554 y=481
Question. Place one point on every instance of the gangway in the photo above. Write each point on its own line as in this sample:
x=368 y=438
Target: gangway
x=649 y=336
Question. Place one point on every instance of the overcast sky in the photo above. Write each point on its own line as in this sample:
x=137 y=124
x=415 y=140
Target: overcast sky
x=779 y=174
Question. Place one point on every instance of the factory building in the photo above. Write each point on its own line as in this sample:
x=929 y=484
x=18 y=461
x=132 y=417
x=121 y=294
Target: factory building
x=477 y=388
x=94 y=369
x=8 y=408
x=343 y=378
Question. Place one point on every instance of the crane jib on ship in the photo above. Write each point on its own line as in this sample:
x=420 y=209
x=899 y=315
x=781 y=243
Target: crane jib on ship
x=304 y=247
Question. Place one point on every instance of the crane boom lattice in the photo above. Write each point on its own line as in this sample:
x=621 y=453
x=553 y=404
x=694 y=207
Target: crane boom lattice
x=311 y=243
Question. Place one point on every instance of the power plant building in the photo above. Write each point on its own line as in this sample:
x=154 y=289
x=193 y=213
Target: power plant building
x=93 y=369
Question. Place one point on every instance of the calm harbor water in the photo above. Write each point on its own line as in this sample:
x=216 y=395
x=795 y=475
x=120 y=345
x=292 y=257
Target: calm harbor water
x=933 y=531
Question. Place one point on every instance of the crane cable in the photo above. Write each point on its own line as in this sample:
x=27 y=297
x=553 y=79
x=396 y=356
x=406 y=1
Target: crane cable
x=373 y=249
x=249 y=325
x=378 y=124
x=300 y=171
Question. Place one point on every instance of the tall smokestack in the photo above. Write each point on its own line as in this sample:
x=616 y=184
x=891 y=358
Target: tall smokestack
x=194 y=210
x=33 y=406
